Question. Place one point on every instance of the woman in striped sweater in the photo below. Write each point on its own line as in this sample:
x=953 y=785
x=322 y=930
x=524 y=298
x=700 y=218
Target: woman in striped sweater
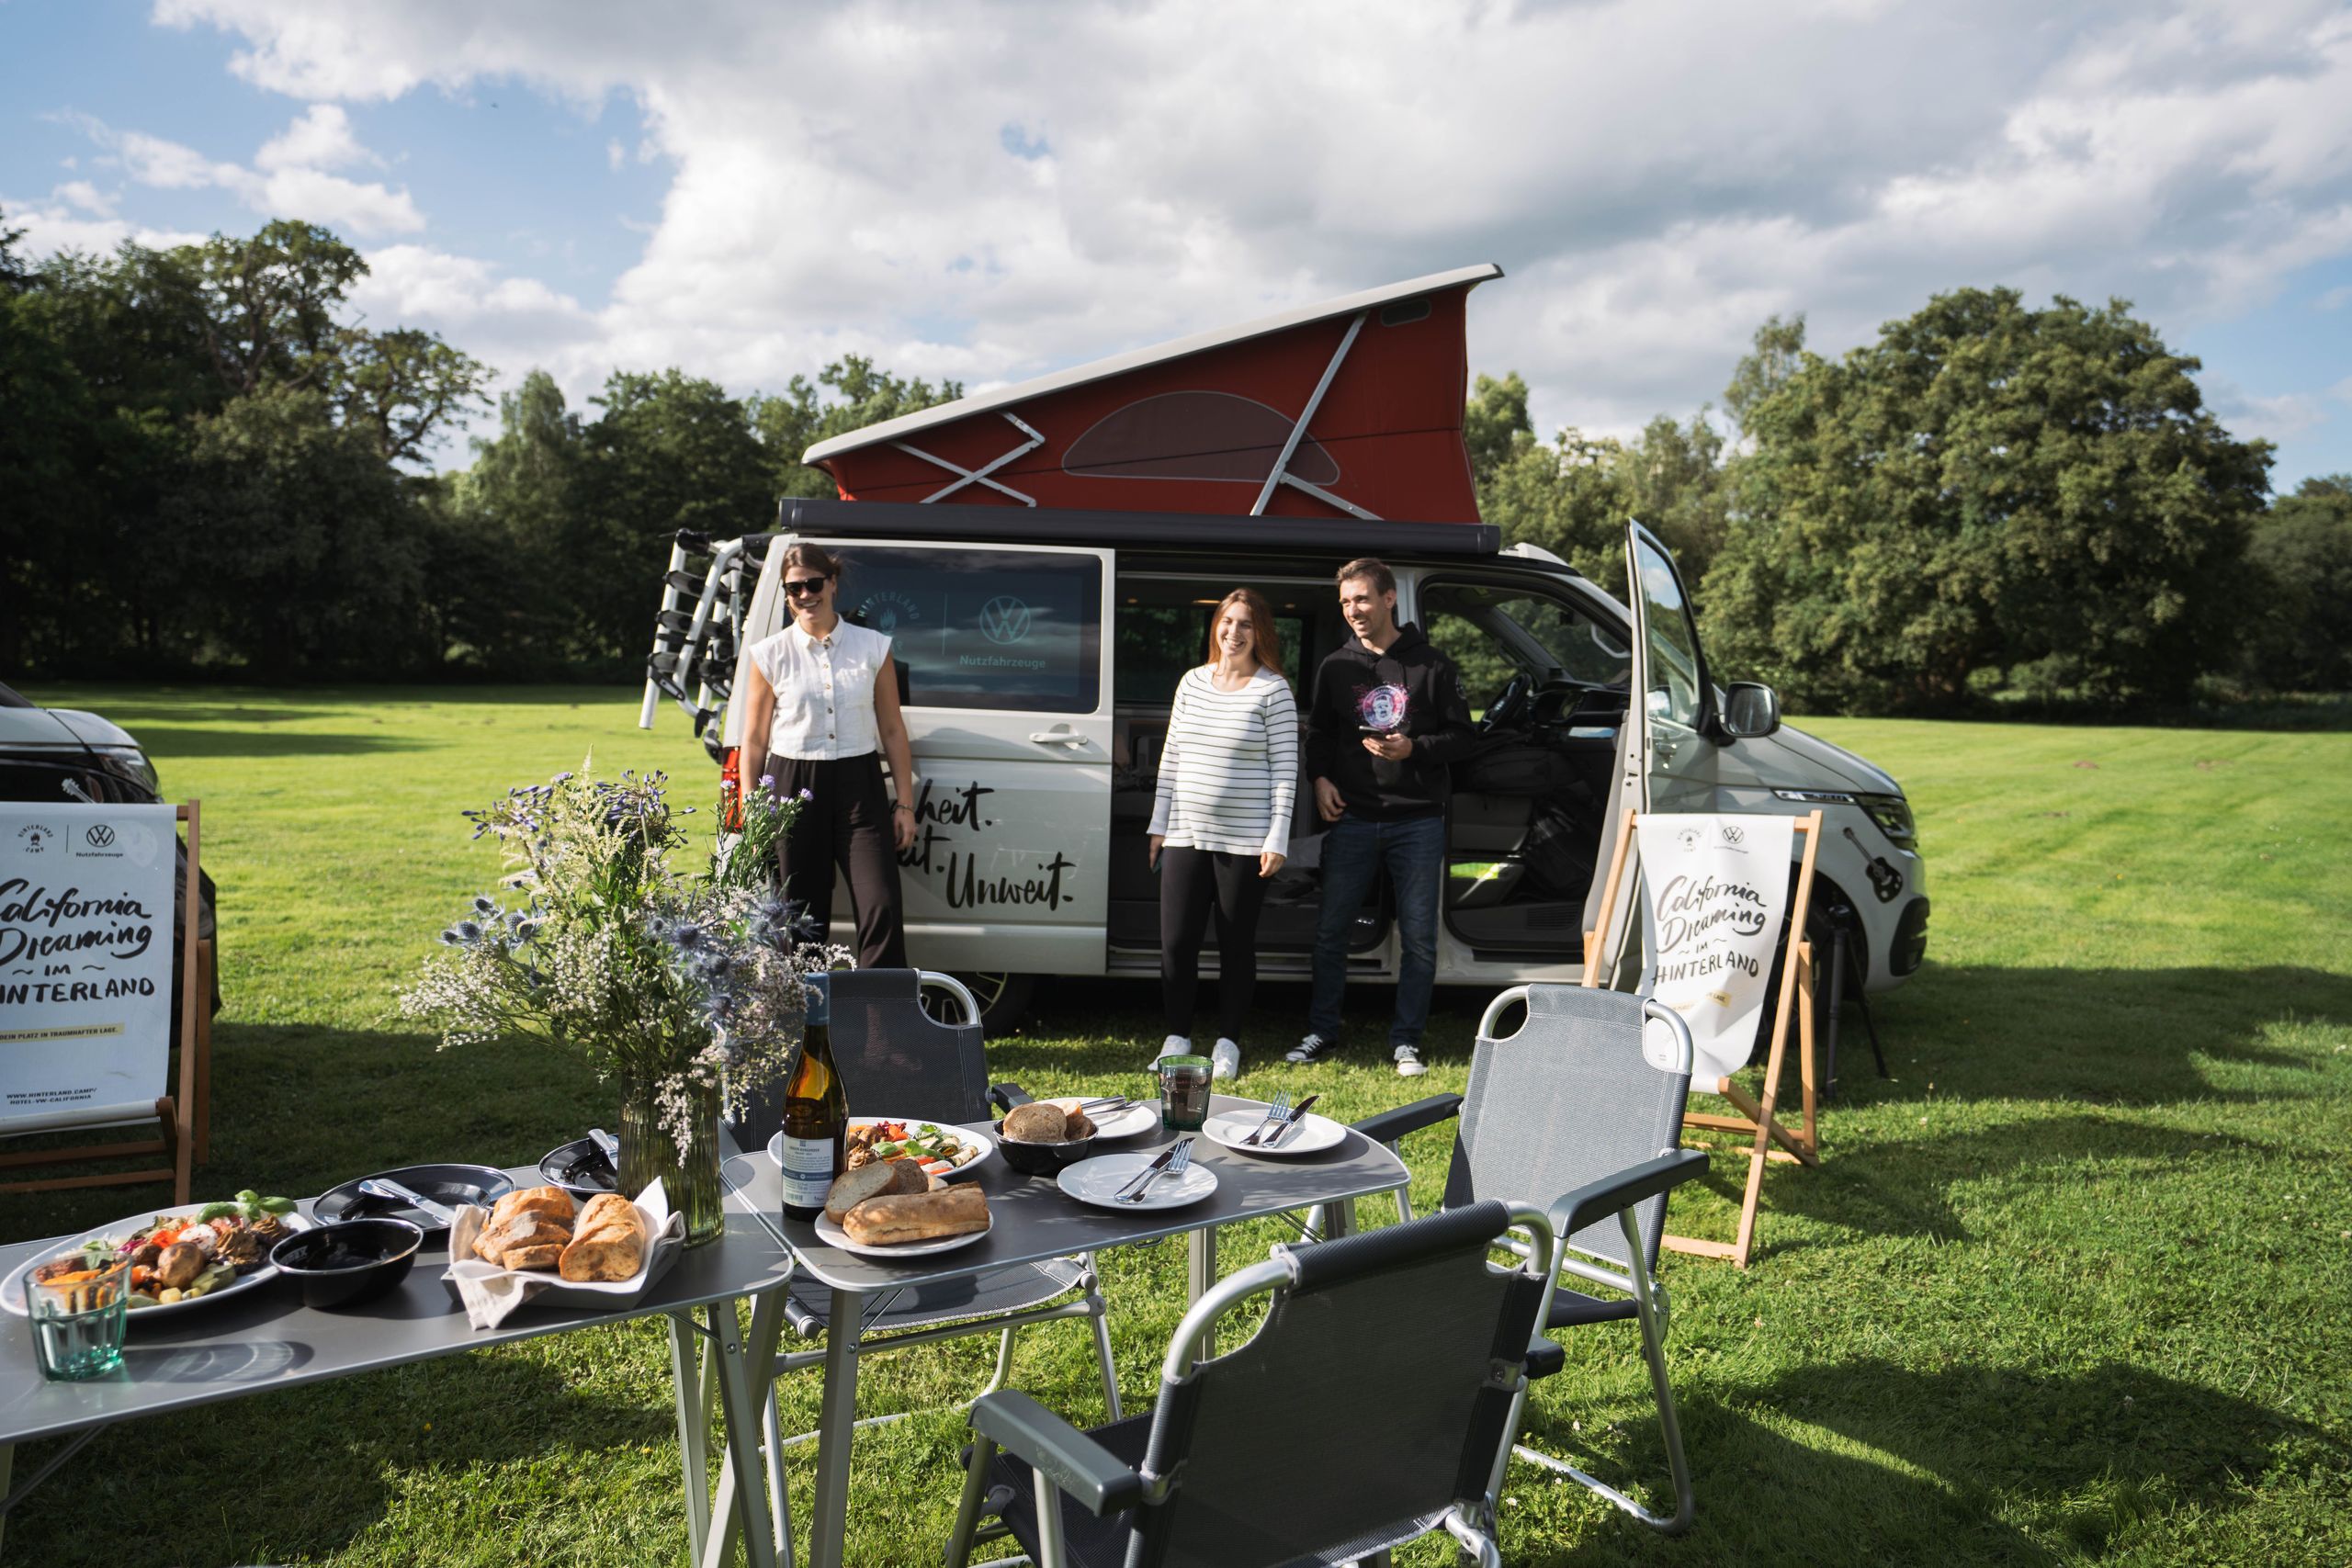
x=1220 y=826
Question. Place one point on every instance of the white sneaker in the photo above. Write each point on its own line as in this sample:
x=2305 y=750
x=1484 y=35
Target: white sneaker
x=1174 y=1045
x=1227 y=1056
x=1409 y=1063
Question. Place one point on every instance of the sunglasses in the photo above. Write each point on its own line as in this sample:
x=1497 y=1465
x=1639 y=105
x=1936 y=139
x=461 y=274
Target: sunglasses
x=805 y=587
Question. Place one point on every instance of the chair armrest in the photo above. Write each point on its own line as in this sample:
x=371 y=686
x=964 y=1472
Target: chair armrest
x=1598 y=1200
x=1005 y=1096
x=1085 y=1471
x=1544 y=1357
x=1387 y=1126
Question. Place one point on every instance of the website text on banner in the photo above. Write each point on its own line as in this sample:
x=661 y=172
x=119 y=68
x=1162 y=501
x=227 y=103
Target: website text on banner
x=1719 y=888
x=87 y=919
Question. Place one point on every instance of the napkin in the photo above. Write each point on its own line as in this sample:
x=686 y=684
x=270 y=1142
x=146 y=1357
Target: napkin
x=493 y=1294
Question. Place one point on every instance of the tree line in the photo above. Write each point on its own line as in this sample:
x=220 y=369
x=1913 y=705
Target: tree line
x=210 y=468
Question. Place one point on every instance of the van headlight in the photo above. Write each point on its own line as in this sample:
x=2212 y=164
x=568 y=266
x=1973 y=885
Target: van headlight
x=1891 y=812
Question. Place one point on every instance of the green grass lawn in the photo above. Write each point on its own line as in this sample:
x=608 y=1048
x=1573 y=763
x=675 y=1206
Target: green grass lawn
x=2070 y=1286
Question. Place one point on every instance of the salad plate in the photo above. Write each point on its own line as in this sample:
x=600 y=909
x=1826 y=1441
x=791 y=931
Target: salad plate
x=1099 y=1182
x=1309 y=1134
x=944 y=1149
x=123 y=1234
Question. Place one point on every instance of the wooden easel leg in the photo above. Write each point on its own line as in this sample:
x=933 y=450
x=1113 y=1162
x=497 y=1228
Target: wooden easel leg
x=203 y=1118
x=1765 y=1127
x=1805 y=1074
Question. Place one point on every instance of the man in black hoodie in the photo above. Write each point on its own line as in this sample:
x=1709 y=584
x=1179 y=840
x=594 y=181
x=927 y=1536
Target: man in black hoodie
x=1387 y=721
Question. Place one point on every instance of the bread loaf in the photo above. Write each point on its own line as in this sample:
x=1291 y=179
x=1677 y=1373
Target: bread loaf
x=876 y=1178
x=918 y=1216
x=607 y=1243
x=551 y=1202
x=1037 y=1123
x=507 y=1242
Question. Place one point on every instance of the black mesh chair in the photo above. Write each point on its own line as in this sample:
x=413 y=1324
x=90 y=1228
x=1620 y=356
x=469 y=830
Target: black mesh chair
x=897 y=1057
x=1582 y=1109
x=1287 y=1450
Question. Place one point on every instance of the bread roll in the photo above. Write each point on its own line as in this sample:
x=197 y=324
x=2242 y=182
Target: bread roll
x=551 y=1202
x=874 y=1179
x=547 y=1255
x=1037 y=1123
x=607 y=1243
x=918 y=1216
x=499 y=1242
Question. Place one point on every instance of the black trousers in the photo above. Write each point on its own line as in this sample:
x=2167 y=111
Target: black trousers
x=1192 y=882
x=845 y=822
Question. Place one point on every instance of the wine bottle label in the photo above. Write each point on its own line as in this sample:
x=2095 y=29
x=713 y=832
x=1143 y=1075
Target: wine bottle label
x=808 y=1171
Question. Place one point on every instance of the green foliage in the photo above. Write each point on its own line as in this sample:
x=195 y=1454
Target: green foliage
x=1495 y=426
x=1569 y=497
x=1573 y=497
x=1987 y=494
x=2299 y=595
x=789 y=424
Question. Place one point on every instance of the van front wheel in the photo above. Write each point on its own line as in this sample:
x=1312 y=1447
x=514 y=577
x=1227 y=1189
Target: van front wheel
x=1003 y=996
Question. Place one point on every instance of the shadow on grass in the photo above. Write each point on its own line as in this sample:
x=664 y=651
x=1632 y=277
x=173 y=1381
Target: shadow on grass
x=1967 y=1463
x=176 y=744
x=2103 y=1036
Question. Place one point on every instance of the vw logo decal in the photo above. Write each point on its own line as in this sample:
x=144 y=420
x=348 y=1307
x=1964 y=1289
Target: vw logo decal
x=1005 y=619
x=100 y=835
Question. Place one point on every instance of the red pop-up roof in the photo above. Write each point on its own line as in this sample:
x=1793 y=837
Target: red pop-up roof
x=1352 y=407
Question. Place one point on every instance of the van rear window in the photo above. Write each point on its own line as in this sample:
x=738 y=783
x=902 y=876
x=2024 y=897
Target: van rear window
x=984 y=628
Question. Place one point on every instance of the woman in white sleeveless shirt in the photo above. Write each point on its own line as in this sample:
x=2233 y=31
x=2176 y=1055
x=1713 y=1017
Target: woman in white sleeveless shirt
x=821 y=711
x=1220 y=825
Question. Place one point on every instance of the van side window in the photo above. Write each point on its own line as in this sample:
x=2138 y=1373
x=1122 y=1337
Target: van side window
x=984 y=628
x=1162 y=630
x=1493 y=633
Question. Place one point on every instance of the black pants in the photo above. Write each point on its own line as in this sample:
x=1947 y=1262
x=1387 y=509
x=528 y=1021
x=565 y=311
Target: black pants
x=846 y=823
x=1190 y=882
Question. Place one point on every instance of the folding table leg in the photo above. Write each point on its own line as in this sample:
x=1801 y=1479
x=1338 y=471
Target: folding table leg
x=694 y=1452
x=836 y=1424
x=733 y=1493
x=742 y=1386
x=1200 y=1273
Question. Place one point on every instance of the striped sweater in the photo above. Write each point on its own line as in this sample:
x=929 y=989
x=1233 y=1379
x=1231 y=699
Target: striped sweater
x=1228 y=774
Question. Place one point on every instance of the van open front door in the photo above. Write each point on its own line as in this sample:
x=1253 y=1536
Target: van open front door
x=1665 y=732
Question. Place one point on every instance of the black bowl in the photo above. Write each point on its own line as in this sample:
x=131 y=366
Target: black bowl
x=1042 y=1159
x=349 y=1262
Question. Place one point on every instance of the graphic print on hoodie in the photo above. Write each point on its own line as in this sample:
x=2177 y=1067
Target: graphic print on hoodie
x=1411 y=689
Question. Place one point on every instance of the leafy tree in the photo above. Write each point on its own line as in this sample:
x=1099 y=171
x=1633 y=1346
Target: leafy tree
x=1988 y=494
x=1674 y=481
x=271 y=302
x=790 y=423
x=403 y=386
x=2299 y=559
x=669 y=451
x=496 y=568
x=1569 y=498
x=1777 y=355
x=1495 y=426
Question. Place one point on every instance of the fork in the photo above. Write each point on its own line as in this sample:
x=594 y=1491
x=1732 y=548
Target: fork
x=1175 y=1167
x=1274 y=1114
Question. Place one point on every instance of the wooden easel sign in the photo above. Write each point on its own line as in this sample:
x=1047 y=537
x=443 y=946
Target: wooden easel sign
x=88 y=922
x=1719 y=899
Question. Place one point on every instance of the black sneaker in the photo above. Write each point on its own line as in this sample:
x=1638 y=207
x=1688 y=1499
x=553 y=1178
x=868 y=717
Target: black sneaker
x=1314 y=1048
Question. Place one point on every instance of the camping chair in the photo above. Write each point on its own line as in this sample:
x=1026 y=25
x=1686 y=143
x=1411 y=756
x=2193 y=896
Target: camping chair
x=1288 y=1449
x=1586 y=1100
x=897 y=1057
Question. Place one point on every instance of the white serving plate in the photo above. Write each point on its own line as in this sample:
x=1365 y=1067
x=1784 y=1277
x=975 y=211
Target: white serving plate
x=1311 y=1135
x=984 y=1140
x=1097 y=1179
x=832 y=1235
x=12 y=1290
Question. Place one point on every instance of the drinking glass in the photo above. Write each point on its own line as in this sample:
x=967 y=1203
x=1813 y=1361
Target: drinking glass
x=1183 y=1091
x=77 y=1321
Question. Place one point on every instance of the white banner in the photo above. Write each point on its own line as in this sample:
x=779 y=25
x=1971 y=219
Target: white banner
x=1718 y=894
x=86 y=926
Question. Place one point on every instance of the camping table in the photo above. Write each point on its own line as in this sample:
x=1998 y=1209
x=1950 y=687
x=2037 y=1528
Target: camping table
x=1035 y=1221
x=267 y=1339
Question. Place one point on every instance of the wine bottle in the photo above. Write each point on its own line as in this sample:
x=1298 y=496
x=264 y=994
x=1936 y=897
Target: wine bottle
x=816 y=1111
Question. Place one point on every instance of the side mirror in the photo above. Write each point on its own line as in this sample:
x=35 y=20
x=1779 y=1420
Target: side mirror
x=1751 y=710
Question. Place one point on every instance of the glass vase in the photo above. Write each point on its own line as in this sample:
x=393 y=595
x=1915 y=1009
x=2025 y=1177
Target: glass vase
x=648 y=1150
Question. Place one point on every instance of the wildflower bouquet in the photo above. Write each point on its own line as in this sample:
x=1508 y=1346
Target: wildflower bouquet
x=685 y=989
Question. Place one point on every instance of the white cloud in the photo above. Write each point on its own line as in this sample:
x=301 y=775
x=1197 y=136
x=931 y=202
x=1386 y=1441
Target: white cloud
x=289 y=178
x=1656 y=174
x=320 y=138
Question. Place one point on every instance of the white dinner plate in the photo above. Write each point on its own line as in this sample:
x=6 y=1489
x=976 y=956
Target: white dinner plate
x=832 y=1235
x=1141 y=1116
x=1098 y=1180
x=1311 y=1135
x=985 y=1141
x=12 y=1290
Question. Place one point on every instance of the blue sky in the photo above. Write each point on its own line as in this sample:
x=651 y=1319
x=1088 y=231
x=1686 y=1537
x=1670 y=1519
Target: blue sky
x=991 y=191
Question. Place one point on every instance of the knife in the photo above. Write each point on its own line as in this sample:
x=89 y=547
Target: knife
x=1296 y=1111
x=1148 y=1171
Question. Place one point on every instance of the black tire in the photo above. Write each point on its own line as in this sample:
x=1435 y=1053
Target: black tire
x=1829 y=906
x=1003 y=996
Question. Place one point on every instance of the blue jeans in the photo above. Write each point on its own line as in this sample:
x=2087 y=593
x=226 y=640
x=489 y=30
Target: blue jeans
x=1355 y=851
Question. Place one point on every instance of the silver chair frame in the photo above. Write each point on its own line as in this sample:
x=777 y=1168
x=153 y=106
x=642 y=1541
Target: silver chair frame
x=1650 y=1306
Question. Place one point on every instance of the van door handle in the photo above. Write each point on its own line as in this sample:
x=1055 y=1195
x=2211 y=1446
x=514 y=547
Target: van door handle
x=1056 y=737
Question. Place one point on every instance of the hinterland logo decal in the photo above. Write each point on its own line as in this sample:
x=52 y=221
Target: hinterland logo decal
x=1688 y=838
x=35 y=837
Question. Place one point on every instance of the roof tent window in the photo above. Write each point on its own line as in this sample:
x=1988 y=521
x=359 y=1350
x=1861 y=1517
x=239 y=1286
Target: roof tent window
x=984 y=628
x=1196 y=436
